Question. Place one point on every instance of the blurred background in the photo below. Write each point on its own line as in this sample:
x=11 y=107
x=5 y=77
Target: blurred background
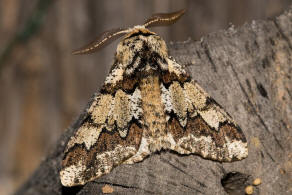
x=43 y=87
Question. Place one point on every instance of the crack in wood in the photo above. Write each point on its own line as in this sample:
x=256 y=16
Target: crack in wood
x=207 y=52
x=282 y=34
x=249 y=101
x=194 y=189
x=179 y=169
x=124 y=186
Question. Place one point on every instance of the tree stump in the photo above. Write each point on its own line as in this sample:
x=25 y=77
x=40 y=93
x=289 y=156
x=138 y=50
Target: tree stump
x=248 y=70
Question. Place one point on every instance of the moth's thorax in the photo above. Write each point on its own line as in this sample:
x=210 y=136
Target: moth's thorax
x=141 y=53
x=141 y=46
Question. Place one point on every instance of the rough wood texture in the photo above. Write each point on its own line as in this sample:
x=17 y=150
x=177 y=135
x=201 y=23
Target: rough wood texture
x=248 y=71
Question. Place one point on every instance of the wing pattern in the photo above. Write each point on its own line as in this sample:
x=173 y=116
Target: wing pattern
x=198 y=124
x=109 y=135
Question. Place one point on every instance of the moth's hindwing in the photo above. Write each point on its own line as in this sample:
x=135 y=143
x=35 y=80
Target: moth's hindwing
x=109 y=135
x=199 y=125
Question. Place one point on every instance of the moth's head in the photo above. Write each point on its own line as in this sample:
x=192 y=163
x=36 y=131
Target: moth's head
x=139 y=46
x=139 y=34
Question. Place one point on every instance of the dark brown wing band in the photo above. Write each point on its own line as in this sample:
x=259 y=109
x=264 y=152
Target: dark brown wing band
x=104 y=39
x=163 y=19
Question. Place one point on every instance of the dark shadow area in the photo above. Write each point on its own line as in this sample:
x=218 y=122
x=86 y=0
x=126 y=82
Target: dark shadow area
x=71 y=190
x=234 y=182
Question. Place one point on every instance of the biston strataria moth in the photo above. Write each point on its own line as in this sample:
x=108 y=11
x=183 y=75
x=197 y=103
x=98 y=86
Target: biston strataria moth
x=147 y=103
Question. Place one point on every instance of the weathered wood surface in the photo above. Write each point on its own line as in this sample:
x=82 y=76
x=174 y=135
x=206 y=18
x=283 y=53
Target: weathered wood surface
x=248 y=70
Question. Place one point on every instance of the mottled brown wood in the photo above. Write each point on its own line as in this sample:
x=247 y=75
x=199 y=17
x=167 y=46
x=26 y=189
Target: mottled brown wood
x=248 y=71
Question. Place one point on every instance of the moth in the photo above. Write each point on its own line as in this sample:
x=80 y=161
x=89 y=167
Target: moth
x=148 y=103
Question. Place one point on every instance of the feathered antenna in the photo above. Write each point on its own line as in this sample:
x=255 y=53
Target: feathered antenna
x=160 y=19
x=163 y=19
x=102 y=40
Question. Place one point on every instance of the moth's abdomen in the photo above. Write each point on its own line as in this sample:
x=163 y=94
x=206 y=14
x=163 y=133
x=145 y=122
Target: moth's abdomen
x=154 y=117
